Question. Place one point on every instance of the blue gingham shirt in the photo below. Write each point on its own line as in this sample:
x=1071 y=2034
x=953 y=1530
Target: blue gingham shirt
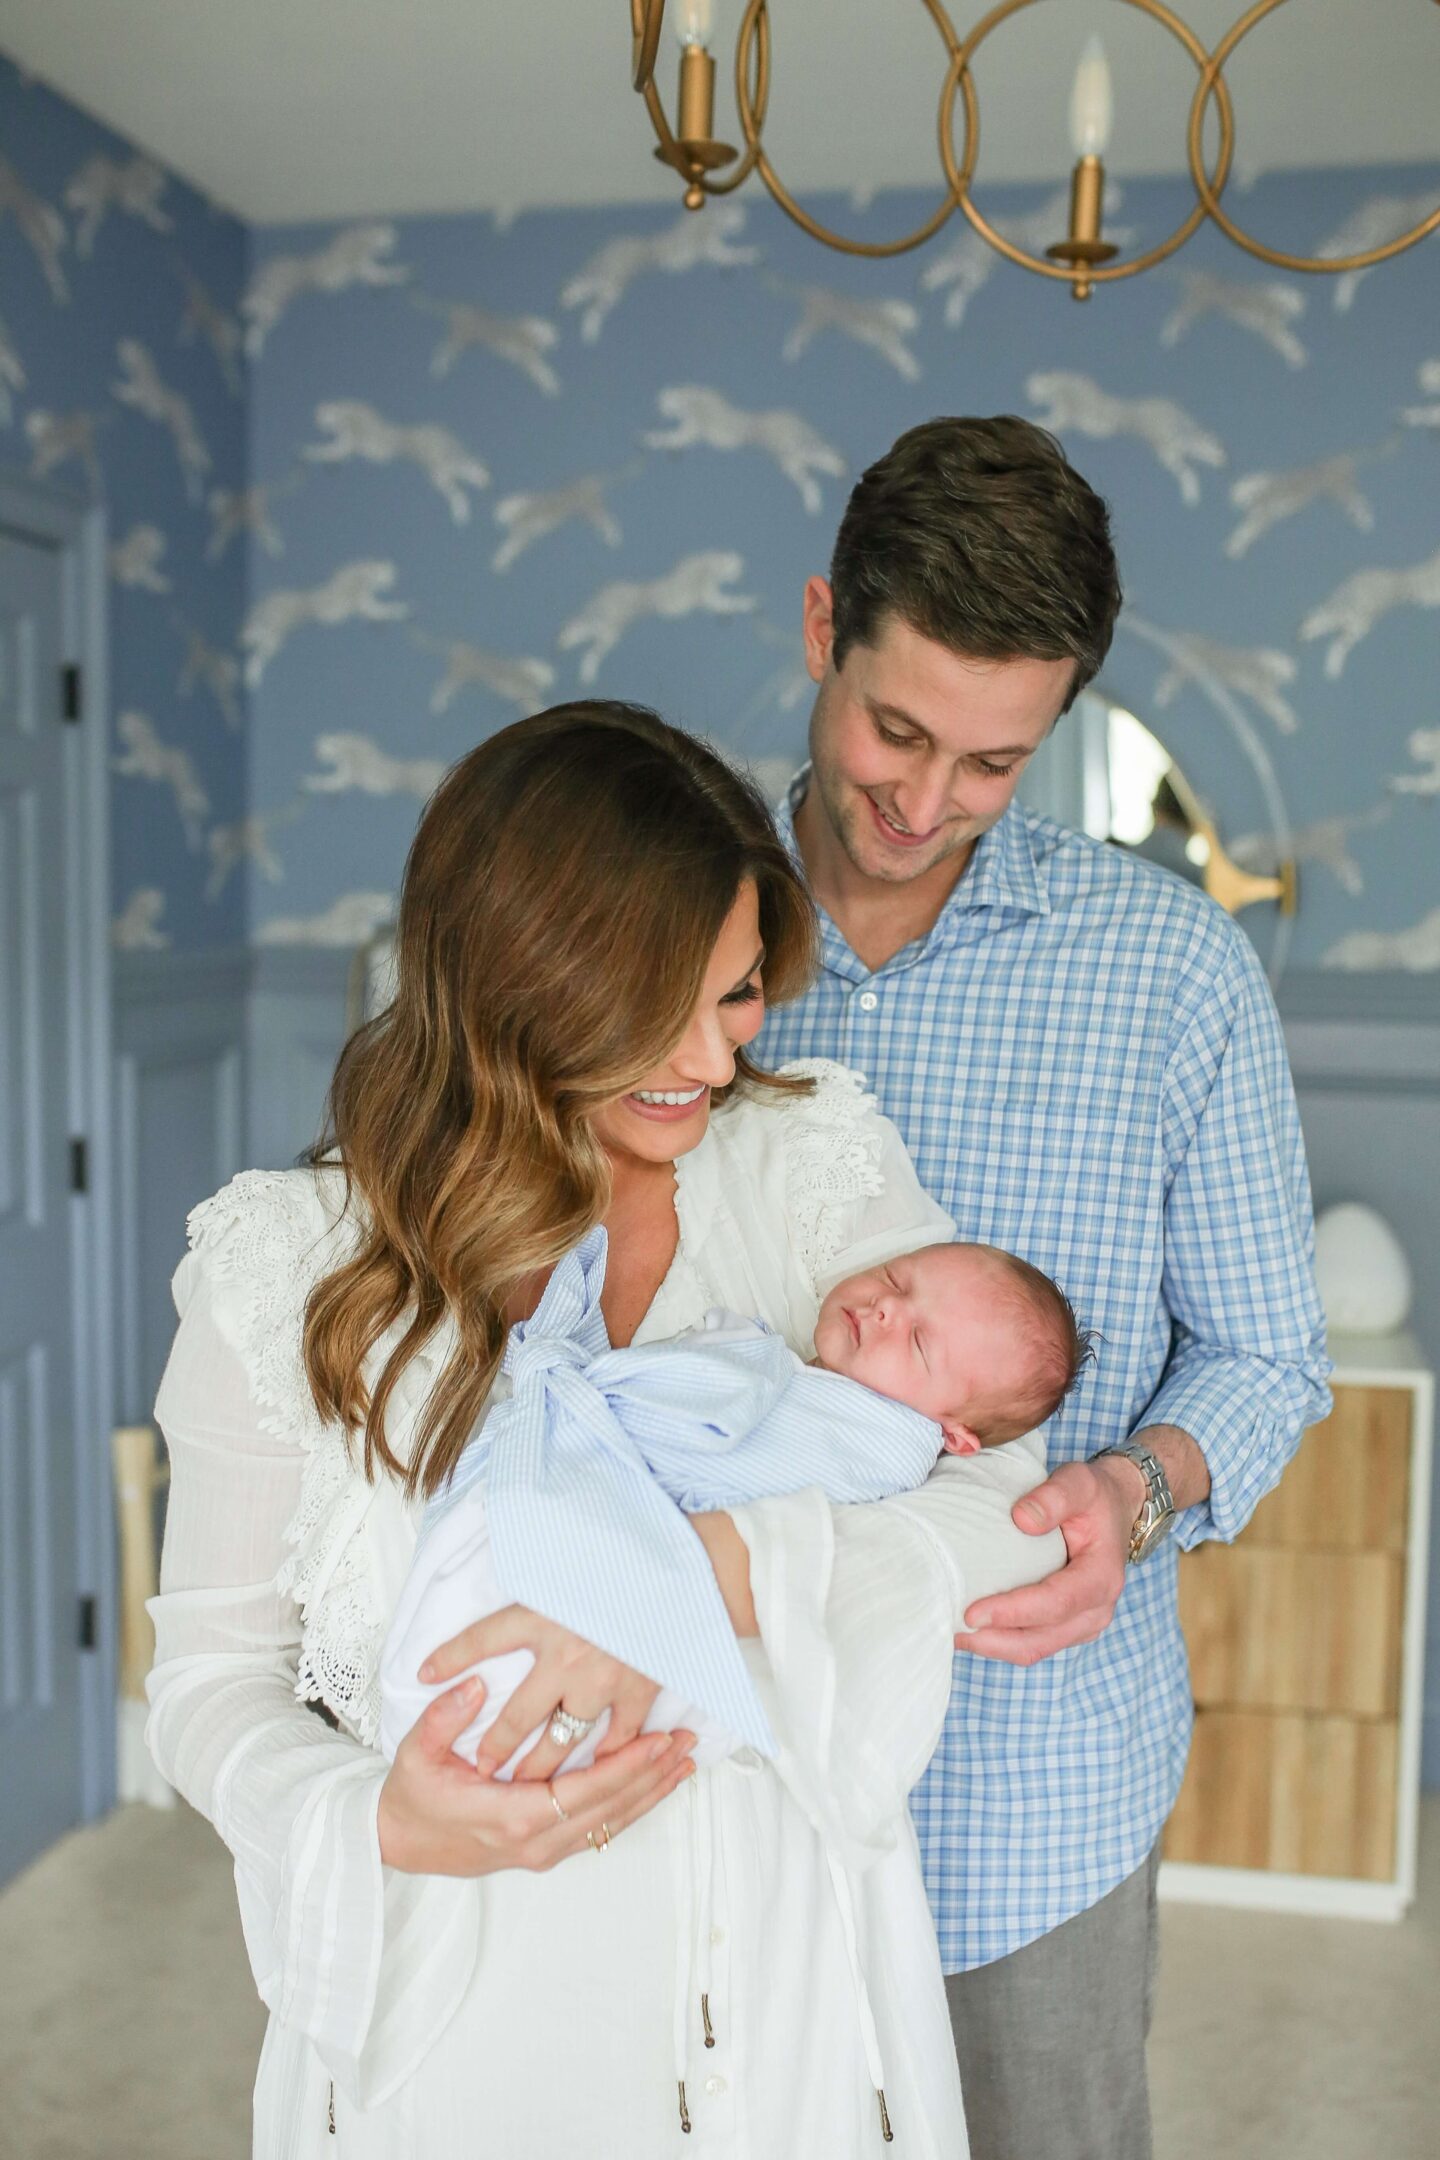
x=1086 y=1065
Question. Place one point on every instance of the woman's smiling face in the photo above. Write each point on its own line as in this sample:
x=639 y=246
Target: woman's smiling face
x=666 y=1115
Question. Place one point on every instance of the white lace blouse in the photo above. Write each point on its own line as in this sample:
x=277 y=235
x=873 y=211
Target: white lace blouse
x=532 y=2017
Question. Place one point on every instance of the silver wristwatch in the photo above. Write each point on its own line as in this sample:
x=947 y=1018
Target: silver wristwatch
x=1158 y=1511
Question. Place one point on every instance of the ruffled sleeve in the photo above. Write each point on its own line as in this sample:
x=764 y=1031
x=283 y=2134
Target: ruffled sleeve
x=858 y=1608
x=852 y=1198
x=262 y=1243
x=368 y=1963
x=788 y=1194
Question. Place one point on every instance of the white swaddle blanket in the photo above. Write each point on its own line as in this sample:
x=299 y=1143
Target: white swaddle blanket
x=571 y=1499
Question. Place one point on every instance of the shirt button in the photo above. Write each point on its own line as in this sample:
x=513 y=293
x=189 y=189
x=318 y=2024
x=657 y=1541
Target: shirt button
x=868 y=1001
x=745 y=1758
x=717 y=1936
x=714 y=2086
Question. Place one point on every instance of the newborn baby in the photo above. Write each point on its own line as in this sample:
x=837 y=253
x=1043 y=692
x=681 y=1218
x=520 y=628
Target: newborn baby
x=970 y=1336
x=598 y=1452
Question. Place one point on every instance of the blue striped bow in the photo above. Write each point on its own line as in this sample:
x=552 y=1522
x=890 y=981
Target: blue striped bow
x=581 y=1528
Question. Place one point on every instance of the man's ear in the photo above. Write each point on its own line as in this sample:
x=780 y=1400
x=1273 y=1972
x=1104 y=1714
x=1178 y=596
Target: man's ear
x=818 y=627
x=959 y=1440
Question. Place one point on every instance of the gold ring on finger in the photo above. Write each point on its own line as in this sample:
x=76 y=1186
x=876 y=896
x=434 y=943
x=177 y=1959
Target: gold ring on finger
x=562 y=1813
x=604 y=1839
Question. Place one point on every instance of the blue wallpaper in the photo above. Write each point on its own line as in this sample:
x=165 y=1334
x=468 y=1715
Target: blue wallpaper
x=121 y=378
x=606 y=447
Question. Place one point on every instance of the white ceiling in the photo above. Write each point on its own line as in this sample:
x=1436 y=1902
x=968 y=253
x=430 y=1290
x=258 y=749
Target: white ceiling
x=293 y=109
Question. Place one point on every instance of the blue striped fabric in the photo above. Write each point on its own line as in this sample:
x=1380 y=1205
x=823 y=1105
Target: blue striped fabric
x=1085 y=1063
x=590 y=1462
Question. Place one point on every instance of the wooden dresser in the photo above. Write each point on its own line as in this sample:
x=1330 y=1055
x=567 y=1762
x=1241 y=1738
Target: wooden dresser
x=1307 y=1644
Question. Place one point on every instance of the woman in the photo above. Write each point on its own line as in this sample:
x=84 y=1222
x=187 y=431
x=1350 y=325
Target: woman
x=591 y=907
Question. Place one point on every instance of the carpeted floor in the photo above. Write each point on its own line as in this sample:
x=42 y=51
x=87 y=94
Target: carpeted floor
x=129 y=2029
x=129 y=2026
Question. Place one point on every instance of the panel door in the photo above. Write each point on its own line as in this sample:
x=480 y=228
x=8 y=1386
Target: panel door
x=40 y=1739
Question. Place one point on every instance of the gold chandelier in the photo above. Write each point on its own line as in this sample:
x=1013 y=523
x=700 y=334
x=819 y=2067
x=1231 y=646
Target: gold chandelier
x=1082 y=259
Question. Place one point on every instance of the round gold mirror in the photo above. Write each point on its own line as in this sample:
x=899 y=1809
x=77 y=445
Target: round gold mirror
x=1106 y=773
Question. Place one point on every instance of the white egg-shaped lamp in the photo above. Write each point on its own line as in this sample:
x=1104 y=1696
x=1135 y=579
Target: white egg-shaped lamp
x=1362 y=1271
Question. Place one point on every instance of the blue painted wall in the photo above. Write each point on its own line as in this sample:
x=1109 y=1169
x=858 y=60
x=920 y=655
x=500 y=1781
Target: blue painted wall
x=1332 y=369
x=71 y=290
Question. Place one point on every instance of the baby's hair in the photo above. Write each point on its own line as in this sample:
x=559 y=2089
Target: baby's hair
x=1062 y=1347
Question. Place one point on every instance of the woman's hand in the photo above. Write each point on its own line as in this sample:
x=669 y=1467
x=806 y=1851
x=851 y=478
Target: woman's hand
x=439 y=1817
x=568 y=1672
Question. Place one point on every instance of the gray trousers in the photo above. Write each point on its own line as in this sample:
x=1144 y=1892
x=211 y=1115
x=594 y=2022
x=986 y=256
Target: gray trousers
x=1051 y=2039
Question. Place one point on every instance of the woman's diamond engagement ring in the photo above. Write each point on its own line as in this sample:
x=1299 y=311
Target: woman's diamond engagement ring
x=565 y=1728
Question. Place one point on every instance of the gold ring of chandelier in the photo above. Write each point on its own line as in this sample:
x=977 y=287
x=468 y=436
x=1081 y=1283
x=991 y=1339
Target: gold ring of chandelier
x=1083 y=259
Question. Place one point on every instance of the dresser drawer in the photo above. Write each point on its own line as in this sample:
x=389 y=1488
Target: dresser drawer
x=1270 y=1628
x=1348 y=1488
x=1295 y=1794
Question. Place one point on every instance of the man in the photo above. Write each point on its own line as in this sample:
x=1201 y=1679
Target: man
x=1083 y=1058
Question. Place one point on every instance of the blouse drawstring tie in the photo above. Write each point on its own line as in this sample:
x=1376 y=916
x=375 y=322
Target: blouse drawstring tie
x=694 y=1902
x=694 y=1858
x=869 y=2037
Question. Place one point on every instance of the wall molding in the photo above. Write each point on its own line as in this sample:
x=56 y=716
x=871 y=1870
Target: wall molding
x=294 y=969
x=171 y=978
x=1372 y=1056
x=1340 y=996
x=179 y=1124
x=296 y=1022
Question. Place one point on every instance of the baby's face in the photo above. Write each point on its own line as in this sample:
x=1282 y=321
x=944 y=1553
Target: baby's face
x=936 y=1329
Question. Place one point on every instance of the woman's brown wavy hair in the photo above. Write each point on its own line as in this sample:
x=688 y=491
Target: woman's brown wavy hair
x=560 y=906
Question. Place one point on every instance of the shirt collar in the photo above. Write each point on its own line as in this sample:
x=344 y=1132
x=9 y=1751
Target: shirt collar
x=1003 y=872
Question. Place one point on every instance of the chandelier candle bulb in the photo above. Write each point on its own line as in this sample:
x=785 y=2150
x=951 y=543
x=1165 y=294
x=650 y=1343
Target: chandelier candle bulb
x=1091 y=103
x=694 y=22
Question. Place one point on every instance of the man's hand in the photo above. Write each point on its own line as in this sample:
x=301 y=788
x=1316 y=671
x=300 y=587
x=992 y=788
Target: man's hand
x=1094 y=1506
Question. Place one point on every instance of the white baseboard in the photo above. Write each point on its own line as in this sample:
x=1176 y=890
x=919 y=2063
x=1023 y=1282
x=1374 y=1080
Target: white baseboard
x=1258 y=1890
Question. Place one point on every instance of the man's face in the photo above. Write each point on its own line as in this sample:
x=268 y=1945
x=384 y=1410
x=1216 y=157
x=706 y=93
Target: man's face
x=917 y=751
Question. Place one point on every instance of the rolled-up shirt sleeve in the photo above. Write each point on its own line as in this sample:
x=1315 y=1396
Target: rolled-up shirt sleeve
x=1247 y=1371
x=336 y=1940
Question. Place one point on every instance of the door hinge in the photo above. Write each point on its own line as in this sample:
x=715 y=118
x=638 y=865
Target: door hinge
x=88 y=1630
x=79 y=1166
x=71 y=693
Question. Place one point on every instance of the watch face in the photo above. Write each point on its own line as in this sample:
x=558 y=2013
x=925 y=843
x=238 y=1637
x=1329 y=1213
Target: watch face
x=1148 y=1533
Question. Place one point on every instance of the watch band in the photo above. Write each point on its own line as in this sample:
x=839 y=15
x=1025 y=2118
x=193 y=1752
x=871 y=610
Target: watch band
x=1158 y=1509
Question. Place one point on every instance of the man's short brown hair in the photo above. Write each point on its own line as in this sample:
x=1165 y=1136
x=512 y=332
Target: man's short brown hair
x=980 y=534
